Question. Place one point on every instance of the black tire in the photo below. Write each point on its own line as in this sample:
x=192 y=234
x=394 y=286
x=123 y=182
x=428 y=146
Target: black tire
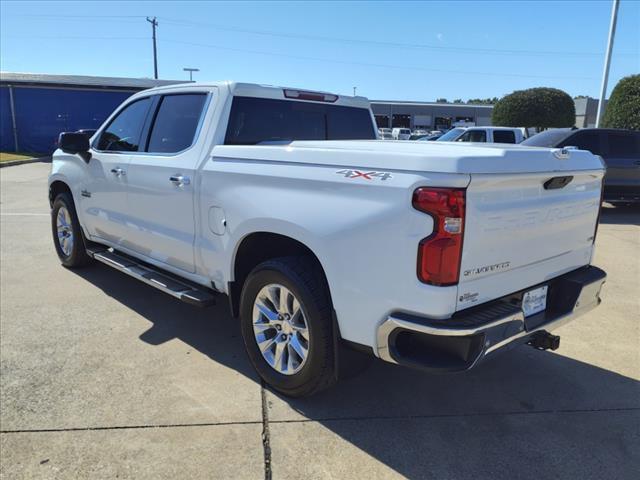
x=302 y=277
x=77 y=255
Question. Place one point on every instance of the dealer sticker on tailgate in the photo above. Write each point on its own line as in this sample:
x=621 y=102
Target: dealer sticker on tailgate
x=534 y=301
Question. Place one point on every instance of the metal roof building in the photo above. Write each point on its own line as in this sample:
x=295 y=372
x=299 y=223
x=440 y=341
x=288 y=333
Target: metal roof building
x=35 y=108
x=428 y=115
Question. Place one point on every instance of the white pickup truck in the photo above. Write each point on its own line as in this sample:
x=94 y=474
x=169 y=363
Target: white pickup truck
x=483 y=135
x=430 y=255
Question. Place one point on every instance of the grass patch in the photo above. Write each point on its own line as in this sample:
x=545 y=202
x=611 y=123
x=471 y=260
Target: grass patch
x=10 y=157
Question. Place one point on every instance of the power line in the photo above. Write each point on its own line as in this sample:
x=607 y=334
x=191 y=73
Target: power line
x=378 y=43
x=305 y=58
x=469 y=50
x=72 y=37
x=317 y=59
x=44 y=15
x=347 y=62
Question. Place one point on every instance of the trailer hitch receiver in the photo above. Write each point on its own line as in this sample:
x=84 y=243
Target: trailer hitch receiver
x=545 y=341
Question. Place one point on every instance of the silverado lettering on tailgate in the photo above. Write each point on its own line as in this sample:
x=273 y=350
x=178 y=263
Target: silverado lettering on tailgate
x=496 y=267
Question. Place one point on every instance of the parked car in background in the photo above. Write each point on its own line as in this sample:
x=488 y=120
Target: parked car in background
x=418 y=134
x=483 y=135
x=401 y=133
x=620 y=150
x=385 y=134
x=451 y=135
x=432 y=137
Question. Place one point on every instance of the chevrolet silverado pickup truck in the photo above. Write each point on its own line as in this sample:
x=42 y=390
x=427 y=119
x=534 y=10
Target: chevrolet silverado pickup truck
x=431 y=255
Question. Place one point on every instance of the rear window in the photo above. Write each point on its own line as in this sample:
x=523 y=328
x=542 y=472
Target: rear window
x=265 y=120
x=624 y=145
x=504 y=136
x=590 y=140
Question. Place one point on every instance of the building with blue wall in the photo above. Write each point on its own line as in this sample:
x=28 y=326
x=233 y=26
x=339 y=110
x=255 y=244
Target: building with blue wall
x=35 y=108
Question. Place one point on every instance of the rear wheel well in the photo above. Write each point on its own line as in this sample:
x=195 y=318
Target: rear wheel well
x=259 y=247
x=56 y=188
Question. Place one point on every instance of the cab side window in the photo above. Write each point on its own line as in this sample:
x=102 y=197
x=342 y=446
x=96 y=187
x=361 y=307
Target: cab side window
x=504 y=136
x=589 y=140
x=624 y=145
x=125 y=131
x=473 y=136
x=175 y=125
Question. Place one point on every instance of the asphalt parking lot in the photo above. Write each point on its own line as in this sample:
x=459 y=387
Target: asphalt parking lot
x=105 y=377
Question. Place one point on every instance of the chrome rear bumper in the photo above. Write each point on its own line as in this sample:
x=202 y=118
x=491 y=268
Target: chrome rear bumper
x=460 y=342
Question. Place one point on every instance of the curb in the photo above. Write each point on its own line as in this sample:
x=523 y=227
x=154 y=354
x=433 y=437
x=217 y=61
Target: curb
x=23 y=162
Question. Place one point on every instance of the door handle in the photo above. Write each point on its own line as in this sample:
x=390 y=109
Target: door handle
x=179 y=180
x=118 y=172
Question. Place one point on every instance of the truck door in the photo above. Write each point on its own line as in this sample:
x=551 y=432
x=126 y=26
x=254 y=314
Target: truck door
x=161 y=182
x=103 y=203
x=622 y=156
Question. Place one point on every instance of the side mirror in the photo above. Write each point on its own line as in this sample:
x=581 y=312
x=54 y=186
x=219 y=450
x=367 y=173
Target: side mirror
x=88 y=132
x=76 y=143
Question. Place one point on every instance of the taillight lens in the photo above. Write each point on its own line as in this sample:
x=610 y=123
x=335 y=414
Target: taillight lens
x=439 y=254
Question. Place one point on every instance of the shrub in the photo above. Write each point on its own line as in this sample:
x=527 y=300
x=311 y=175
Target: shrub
x=535 y=107
x=623 y=108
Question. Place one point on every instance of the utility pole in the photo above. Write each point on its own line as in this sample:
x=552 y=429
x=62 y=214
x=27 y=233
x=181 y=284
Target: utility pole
x=607 y=61
x=191 y=70
x=154 y=24
x=354 y=91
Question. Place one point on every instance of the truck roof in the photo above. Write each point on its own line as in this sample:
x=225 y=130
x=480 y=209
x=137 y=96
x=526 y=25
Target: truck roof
x=240 y=89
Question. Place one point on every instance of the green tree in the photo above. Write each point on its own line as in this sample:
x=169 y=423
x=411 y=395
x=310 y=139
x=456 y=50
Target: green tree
x=623 y=108
x=441 y=100
x=458 y=100
x=535 y=107
x=482 y=101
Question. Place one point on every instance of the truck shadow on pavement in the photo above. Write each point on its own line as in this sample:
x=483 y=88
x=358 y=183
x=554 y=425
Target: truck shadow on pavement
x=622 y=215
x=525 y=414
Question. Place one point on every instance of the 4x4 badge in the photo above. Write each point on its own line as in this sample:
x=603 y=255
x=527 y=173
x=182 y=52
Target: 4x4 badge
x=365 y=175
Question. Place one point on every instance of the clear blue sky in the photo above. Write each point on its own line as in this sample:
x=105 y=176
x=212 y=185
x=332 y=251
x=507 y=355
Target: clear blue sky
x=389 y=50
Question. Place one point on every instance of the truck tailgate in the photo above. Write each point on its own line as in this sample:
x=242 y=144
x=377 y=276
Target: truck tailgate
x=519 y=232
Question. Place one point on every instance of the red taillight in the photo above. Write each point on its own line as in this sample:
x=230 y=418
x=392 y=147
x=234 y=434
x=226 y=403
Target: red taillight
x=440 y=253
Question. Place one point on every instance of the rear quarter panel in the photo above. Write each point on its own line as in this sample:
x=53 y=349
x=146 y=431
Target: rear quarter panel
x=364 y=232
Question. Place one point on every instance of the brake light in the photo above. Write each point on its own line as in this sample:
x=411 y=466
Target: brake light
x=439 y=254
x=315 y=96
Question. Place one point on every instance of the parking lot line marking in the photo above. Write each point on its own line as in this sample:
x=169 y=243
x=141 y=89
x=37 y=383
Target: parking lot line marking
x=266 y=436
x=334 y=419
x=132 y=427
x=12 y=214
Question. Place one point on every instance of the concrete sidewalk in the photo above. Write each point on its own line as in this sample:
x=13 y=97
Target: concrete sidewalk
x=104 y=377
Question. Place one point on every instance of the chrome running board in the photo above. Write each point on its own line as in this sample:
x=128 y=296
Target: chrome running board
x=168 y=284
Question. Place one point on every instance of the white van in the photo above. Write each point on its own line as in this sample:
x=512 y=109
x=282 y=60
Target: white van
x=401 y=133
